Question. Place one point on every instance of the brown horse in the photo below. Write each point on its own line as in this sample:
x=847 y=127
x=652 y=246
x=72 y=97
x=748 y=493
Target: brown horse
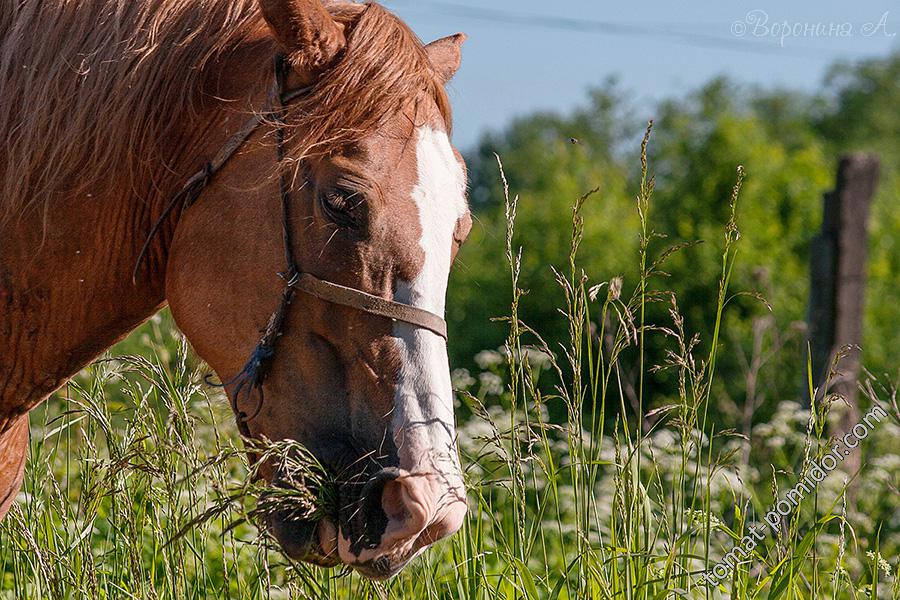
x=109 y=106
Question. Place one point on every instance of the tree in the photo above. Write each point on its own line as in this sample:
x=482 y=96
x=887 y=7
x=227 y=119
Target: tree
x=788 y=143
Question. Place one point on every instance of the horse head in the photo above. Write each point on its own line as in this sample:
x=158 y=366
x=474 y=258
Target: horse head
x=377 y=204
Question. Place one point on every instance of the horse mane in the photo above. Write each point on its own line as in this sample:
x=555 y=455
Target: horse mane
x=94 y=89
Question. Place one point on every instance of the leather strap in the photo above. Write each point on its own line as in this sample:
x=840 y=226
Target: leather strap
x=234 y=143
x=196 y=183
x=374 y=305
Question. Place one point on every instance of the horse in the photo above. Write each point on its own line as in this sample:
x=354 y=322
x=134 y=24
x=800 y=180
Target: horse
x=280 y=174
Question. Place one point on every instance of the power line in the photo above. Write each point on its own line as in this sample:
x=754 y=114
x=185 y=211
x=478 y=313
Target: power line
x=701 y=40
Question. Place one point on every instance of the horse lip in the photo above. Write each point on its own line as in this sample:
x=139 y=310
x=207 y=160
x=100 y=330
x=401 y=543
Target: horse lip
x=378 y=573
x=302 y=540
x=326 y=536
x=295 y=537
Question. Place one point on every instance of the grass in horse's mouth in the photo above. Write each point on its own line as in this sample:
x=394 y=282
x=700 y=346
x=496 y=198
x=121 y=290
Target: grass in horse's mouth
x=302 y=489
x=301 y=492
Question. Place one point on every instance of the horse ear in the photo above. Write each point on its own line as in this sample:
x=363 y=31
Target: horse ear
x=445 y=55
x=309 y=36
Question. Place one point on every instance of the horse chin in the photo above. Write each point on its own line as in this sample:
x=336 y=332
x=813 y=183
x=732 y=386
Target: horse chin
x=307 y=541
x=381 y=569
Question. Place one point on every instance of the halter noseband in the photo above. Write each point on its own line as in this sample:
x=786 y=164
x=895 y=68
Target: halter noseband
x=257 y=368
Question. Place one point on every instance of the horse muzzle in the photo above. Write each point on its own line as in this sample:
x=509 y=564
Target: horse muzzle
x=383 y=525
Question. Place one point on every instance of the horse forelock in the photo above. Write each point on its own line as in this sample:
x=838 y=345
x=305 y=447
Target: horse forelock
x=383 y=70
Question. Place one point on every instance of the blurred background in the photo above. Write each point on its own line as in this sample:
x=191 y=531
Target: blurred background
x=562 y=92
x=524 y=56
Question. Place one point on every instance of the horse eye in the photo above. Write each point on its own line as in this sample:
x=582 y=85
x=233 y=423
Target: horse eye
x=342 y=207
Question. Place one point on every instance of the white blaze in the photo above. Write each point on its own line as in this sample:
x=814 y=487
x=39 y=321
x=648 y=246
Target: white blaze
x=423 y=424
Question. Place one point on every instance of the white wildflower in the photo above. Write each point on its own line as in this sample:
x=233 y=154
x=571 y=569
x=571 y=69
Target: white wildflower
x=491 y=384
x=879 y=560
x=488 y=358
x=462 y=379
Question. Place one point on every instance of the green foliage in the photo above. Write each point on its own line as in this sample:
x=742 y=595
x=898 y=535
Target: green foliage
x=550 y=161
x=700 y=141
x=789 y=144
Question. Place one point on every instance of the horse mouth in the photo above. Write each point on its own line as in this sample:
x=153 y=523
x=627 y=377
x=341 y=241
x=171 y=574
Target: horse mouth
x=317 y=543
x=374 y=524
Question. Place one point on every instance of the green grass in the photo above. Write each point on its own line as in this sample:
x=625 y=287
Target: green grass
x=581 y=483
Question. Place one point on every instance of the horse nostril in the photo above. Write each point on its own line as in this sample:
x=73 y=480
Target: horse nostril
x=372 y=491
x=407 y=508
x=397 y=506
x=371 y=513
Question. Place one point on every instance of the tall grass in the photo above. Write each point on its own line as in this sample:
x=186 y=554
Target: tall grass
x=581 y=483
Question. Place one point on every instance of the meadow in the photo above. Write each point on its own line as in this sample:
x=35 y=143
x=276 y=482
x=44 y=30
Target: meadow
x=581 y=483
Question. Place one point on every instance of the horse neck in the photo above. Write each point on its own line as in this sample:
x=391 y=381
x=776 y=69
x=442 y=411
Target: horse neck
x=66 y=276
x=67 y=294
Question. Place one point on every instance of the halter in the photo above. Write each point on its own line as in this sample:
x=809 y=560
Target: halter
x=258 y=366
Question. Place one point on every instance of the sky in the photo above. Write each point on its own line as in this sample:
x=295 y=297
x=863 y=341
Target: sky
x=523 y=55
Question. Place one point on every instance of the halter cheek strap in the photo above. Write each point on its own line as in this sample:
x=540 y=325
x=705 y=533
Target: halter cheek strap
x=374 y=305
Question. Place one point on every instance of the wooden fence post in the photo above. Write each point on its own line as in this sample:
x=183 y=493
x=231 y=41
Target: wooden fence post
x=838 y=279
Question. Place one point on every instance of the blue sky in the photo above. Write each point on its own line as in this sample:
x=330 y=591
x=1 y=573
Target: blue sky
x=525 y=55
